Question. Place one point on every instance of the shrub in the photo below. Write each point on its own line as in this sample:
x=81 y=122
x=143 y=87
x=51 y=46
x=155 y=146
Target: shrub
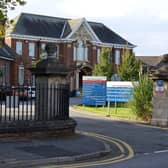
x=104 y=67
x=142 y=98
x=130 y=67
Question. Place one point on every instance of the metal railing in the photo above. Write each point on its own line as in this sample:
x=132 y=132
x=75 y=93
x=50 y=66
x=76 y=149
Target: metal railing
x=29 y=103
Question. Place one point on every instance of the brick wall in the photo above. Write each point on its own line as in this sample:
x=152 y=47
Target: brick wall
x=20 y=59
x=65 y=57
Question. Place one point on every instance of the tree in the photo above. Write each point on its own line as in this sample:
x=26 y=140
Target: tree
x=130 y=67
x=6 y=5
x=104 y=68
x=36 y=61
x=142 y=97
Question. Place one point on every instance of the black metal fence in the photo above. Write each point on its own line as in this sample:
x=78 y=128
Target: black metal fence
x=40 y=103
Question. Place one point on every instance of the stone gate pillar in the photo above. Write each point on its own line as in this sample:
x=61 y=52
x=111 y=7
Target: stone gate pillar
x=159 y=74
x=52 y=93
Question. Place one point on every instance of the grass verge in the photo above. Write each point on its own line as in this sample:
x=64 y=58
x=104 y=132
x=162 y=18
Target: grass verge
x=119 y=112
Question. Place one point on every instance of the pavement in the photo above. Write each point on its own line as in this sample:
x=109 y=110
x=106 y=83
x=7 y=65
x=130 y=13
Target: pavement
x=41 y=151
x=83 y=149
x=75 y=100
x=26 y=152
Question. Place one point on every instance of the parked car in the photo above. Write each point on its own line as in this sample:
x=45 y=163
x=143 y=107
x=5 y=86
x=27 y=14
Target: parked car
x=24 y=92
x=31 y=92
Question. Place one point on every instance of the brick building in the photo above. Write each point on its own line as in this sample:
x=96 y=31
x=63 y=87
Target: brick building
x=78 y=42
x=6 y=64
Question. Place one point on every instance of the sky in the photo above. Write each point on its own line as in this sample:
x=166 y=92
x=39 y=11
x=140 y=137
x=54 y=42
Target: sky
x=141 y=22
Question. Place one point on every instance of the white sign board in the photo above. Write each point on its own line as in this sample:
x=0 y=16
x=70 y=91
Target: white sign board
x=119 y=84
x=94 y=78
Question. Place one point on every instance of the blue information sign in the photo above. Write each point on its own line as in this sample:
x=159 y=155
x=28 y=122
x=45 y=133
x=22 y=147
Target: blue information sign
x=119 y=91
x=159 y=87
x=94 y=91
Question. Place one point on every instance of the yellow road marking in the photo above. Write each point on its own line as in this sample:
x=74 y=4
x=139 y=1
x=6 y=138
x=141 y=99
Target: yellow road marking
x=115 y=141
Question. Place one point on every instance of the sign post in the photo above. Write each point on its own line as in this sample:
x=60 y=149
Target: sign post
x=118 y=92
x=115 y=105
x=108 y=115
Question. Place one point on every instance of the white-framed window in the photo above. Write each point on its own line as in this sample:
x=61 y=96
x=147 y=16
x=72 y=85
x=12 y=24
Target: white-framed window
x=19 y=47
x=43 y=51
x=98 y=55
x=31 y=49
x=86 y=53
x=21 y=74
x=109 y=57
x=80 y=51
x=74 y=53
x=43 y=45
x=117 y=57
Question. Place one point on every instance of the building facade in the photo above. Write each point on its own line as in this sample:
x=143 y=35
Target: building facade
x=148 y=62
x=6 y=64
x=79 y=43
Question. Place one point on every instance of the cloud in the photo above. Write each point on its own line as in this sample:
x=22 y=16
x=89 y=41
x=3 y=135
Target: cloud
x=97 y=8
x=114 y=8
x=150 y=43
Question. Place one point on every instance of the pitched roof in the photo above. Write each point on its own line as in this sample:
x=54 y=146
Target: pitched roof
x=7 y=53
x=106 y=35
x=150 y=60
x=37 y=25
x=46 y=26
